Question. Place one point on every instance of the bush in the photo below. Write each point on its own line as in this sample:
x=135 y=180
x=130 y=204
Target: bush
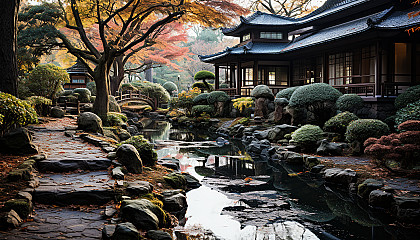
x=312 y=93
x=243 y=103
x=223 y=85
x=362 y=129
x=170 y=87
x=349 y=102
x=115 y=119
x=217 y=96
x=201 y=99
x=307 y=135
x=153 y=90
x=84 y=94
x=199 y=109
x=185 y=99
x=262 y=91
x=145 y=149
x=46 y=80
x=411 y=95
x=92 y=87
x=125 y=87
x=339 y=123
x=15 y=112
x=202 y=86
x=40 y=104
x=286 y=93
x=410 y=125
x=204 y=75
x=410 y=112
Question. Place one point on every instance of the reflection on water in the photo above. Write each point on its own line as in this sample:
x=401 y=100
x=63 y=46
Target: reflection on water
x=323 y=210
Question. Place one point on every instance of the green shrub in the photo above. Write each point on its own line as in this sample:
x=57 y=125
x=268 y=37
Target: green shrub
x=15 y=112
x=84 y=94
x=362 y=129
x=262 y=91
x=411 y=95
x=410 y=112
x=312 y=93
x=199 y=109
x=153 y=90
x=201 y=99
x=185 y=99
x=217 y=96
x=145 y=149
x=203 y=75
x=243 y=103
x=349 y=102
x=125 y=87
x=286 y=93
x=170 y=87
x=46 y=80
x=223 y=85
x=92 y=87
x=115 y=119
x=40 y=104
x=339 y=122
x=307 y=135
x=199 y=85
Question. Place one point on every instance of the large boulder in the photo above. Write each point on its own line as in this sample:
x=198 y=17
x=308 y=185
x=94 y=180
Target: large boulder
x=330 y=148
x=158 y=235
x=144 y=214
x=139 y=188
x=380 y=199
x=90 y=122
x=57 y=112
x=174 y=200
x=126 y=231
x=340 y=176
x=18 y=141
x=129 y=157
x=367 y=186
x=278 y=132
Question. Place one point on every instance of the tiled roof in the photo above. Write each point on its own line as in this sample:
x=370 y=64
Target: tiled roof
x=79 y=67
x=399 y=20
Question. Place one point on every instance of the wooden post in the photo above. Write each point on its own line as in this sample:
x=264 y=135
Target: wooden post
x=216 y=77
x=255 y=73
x=239 y=79
x=232 y=75
x=378 y=70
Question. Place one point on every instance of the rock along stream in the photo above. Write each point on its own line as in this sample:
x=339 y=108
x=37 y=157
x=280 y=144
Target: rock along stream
x=249 y=199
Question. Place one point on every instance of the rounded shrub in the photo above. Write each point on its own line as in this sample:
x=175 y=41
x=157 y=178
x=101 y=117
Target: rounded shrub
x=410 y=125
x=339 y=123
x=262 y=91
x=312 y=93
x=199 y=109
x=217 y=96
x=201 y=99
x=286 y=93
x=84 y=94
x=40 y=104
x=410 y=112
x=92 y=87
x=199 y=85
x=46 y=80
x=145 y=148
x=153 y=90
x=15 y=112
x=307 y=135
x=115 y=119
x=170 y=87
x=349 y=102
x=203 y=75
x=411 y=95
x=362 y=129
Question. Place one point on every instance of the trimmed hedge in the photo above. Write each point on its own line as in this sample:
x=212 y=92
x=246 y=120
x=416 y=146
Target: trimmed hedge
x=317 y=92
x=410 y=112
x=217 y=96
x=199 y=109
x=201 y=99
x=262 y=91
x=204 y=75
x=339 y=123
x=411 y=95
x=362 y=129
x=147 y=153
x=307 y=134
x=15 y=112
x=84 y=94
x=286 y=93
x=170 y=87
x=349 y=102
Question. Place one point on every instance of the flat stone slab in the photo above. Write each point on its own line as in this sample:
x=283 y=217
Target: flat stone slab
x=71 y=164
x=92 y=188
x=237 y=185
x=59 y=224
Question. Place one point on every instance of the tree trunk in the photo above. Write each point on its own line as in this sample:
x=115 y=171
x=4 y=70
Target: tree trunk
x=8 y=65
x=101 y=77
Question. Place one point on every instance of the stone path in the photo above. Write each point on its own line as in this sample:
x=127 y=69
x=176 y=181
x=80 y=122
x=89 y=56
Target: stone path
x=72 y=183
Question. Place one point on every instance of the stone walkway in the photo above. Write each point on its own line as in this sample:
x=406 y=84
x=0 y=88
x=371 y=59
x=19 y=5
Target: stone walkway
x=79 y=179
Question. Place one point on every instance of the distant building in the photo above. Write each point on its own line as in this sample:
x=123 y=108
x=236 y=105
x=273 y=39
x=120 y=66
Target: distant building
x=79 y=76
x=356 y=46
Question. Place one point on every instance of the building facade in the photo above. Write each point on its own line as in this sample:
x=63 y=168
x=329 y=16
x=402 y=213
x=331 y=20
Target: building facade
x=357 y=46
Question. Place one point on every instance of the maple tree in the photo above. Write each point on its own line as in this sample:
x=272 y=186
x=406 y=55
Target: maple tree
x=112 y=29
x=413 y=14
x=288 y=8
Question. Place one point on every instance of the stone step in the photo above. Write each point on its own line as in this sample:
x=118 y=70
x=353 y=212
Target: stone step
x=71 y=164
x=89 y=188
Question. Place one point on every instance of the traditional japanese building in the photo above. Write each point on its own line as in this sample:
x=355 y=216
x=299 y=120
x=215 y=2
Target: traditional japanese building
x=357 y=46
x=79 y=76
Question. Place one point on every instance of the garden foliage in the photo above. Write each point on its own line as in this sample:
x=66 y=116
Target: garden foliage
x=201 y=99
x=204 y=75
x=410 y=112
x=312 y=93
x=186 y=99
x=200 y=109
x=307 y=135
x=147 y=154
x=411 y=95
x=349 y=102
x=153 y=90
x=47 y=80
x=339 y=123
x=362 y=129
x=262 y=91
x=243 y=103
x=217 y=96
x=286 y=93
x=170 y=87
x=40 y=104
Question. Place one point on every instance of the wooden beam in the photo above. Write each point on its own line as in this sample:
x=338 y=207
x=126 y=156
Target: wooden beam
x=378 y=70
x=216 y=77
x=255 y=73
x=239 y=79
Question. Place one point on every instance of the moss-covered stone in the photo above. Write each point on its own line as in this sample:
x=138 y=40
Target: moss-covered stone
x=364 y=189
x=19 y=174
x=20 y=206
x=147 y=153
x=176 y=180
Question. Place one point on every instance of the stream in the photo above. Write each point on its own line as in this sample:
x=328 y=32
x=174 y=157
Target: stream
x=280 y=205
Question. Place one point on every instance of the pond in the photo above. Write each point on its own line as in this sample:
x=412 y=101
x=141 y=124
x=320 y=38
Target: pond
x=282 y=202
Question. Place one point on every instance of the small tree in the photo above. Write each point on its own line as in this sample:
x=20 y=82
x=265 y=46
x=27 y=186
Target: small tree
x=204 y=76
x=46 y=80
